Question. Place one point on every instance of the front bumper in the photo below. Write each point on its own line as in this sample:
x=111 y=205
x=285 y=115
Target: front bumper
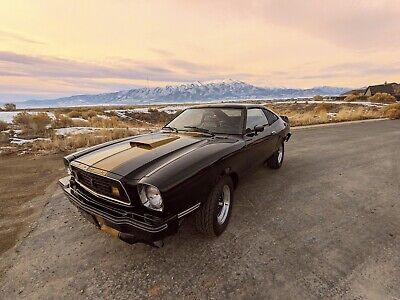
x=128 y=226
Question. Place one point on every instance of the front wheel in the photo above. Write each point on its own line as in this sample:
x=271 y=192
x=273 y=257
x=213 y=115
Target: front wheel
x=276 y=160
x=213 y=216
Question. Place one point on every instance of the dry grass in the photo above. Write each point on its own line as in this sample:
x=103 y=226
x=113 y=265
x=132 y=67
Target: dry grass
x=3 y=126
x=308 y=118
x=318 y=114
x=74 y=114
x=382 y=98
x=318 y=98
x=154 y=117
x=62 y=121
x=392 y=111
x=323 y=108
x=73 y=142
x=299 y=114
x=355 y=98
x=84 y=113
x=33 y=124
x=89 y=114
x=111 y=122
x=355 y=114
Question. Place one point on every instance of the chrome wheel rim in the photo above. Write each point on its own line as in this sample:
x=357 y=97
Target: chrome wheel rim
x=280 y=154
x=224 y=204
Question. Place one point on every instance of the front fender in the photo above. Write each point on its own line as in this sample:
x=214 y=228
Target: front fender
x=188 y=180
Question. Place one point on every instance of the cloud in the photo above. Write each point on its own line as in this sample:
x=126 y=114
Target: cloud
x=357 y=70
x=4 y=35
x=161 y=52
x=53 y=67
x=357 y=24
x=190 y=67
x=168 y=70
x=65 y=75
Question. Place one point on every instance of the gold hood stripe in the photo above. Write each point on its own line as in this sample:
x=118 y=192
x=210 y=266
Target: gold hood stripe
x=94 y=157
x=117 y=159
x=110 y=158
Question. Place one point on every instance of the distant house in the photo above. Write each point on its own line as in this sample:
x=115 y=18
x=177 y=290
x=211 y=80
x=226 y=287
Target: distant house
x=380 y=88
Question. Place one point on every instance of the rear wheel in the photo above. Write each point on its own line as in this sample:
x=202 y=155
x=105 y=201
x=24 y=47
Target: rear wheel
x=276 y=160
x=213 y=216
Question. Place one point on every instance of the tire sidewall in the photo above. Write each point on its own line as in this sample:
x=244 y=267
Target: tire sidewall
x=279 y=163
x=220 y=228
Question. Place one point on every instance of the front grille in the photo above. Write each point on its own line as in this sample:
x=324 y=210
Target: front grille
x=100 y=184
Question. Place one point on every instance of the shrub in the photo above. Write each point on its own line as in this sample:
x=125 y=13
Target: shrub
x=355 y=98
x=62 y=121
x=4 y=137
x=382 y=98
x=22 y=119
x=3 y=126
x=392 y=111
x=318 y=98
x=80 y=123
x=10 y=106
x=112 y=122
x=74 y=114
x=153 y=117
x=322 y=108
x=89 y=114
x=32 y=123
x=73 y=142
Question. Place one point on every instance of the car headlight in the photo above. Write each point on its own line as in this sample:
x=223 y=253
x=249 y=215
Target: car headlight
x=69 y=171
x=150 y=196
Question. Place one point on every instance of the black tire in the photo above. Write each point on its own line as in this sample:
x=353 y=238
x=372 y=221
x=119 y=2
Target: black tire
x=207 y=215
x=275 y=161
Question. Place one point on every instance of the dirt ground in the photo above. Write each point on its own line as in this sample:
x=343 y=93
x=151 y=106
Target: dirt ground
x=325 y=225
x=24 y=179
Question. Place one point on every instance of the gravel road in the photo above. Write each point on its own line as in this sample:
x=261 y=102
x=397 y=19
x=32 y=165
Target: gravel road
x=327 y=224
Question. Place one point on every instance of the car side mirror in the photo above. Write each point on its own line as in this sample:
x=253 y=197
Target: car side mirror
x=258 y=128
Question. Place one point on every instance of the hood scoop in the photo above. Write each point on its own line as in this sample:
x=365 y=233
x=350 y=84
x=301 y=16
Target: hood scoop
x=152 y=143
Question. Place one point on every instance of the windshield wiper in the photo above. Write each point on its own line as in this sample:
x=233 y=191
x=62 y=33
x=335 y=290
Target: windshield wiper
x=170 y=128
x=199 y=129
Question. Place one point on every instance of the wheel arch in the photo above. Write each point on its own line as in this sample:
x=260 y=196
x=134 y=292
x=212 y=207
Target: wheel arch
x=230 y=173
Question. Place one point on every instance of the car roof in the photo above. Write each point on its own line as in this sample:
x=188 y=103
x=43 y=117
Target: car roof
x=229 y=105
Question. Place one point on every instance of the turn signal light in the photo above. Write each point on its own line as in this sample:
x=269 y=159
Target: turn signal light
x=115 y=191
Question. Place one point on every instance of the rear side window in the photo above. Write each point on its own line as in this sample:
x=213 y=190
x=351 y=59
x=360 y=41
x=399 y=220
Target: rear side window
x=270 y=116
x=255 y=116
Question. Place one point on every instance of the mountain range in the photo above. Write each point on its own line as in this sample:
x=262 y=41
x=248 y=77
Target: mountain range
x=191 y=92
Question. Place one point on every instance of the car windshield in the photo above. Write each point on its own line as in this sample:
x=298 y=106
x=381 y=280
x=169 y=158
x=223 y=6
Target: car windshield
x=216 y=120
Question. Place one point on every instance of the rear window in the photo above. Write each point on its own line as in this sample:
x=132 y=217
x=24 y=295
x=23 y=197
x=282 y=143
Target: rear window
x=270 y=116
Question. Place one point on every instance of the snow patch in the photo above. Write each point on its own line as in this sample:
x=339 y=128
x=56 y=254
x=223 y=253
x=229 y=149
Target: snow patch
x=19 y=141
x=8 y=116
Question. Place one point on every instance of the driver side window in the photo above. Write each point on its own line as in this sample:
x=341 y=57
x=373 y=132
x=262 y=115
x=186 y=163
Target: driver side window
x=255 y=116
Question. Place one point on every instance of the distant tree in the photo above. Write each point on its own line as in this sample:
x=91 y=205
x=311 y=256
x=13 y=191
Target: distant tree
x=10 y=106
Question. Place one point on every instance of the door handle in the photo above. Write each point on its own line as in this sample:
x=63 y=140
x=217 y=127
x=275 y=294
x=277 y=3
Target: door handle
x=273 y=132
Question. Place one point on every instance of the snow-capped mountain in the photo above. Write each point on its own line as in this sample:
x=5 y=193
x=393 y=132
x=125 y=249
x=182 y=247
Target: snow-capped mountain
x=191 y=92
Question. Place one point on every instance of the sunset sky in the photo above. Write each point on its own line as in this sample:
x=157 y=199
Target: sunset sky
x=52 y=48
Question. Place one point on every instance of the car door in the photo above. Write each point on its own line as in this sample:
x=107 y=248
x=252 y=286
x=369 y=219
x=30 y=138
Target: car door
x=259 y=146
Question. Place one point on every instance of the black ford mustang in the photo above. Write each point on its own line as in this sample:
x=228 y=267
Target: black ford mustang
x=140 y=188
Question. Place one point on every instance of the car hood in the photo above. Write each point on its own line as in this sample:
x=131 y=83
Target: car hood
x=141 y=154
